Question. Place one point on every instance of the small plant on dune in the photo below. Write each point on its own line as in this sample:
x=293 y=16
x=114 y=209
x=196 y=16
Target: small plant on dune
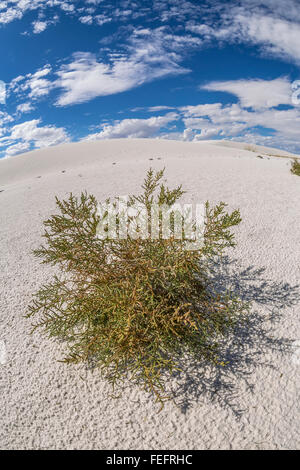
x=134 y=306
x=295 y=168
x=250 y=148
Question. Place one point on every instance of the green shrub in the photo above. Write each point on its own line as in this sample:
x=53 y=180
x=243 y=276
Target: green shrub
x=295 y=169
x=134 y=306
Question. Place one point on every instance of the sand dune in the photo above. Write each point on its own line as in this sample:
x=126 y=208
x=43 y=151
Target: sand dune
x=259 y=149
x=252 y=403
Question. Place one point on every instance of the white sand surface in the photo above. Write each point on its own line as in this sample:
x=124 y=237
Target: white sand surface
x=251 y=403
x=258 y=149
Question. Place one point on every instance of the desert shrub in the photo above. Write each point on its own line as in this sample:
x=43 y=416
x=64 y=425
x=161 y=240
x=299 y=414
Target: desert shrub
x=250 y=148
x=295 y=168
x=134 y=306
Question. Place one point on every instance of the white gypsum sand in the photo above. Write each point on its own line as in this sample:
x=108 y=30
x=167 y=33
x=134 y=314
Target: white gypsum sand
x=258 y=149
x=252 y=403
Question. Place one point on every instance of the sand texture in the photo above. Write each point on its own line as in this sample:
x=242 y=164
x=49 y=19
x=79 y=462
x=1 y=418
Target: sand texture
x=253 y=403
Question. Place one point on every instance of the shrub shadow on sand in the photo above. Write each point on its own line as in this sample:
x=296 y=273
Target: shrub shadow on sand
x=248 y=347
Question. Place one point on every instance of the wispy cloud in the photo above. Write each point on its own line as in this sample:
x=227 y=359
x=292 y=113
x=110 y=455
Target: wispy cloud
x=149 y=55
x=25 y=107
x=33 y=85
x=153 y=109
x=273 y=26
x=256 y=94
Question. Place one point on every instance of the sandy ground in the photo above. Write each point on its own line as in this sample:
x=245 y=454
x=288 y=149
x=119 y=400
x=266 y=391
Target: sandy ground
x=258 y=149
x=253 y=403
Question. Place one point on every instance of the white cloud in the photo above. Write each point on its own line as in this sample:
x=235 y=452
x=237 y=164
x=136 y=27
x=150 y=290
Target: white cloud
x=66 y=6
x=153 y=109
x=278 y=37
x=11 y=10
x=5 y=118
x=23 y=136
x=86 y=78
x=34 y=84
x=271 y=25
x=2 y=92
x=147 y=57
x=43 y=136
x=16 y=80
x=102 y=19
x=25 y=107
x=201 y=109
x=257 y=94
x=10 y=14
x=15 y=9
x=98 y=19
x=39 y=26
x=134 y=128
x=15 y=149
x=86 y=19
x=42 y=72
x=289 y=9
x=233 y=120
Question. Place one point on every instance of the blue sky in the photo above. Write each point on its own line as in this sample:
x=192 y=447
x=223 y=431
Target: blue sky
x=188 y=70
